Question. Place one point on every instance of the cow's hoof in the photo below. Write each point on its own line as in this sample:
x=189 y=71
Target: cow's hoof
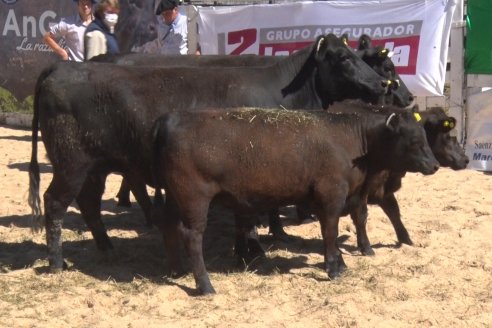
x=334 y=274
x=205 y=287
x=207 y=291
x=342 y=267
x=55 y=269
x=405 y=240
x=367 y=251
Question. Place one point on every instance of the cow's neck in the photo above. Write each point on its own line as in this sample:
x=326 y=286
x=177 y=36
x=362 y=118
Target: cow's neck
x=378 y=155
x=295 y=71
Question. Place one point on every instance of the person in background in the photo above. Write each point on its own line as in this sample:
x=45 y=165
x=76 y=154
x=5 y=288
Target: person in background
x=99 y=36
x=172 y=31
x=71 y=29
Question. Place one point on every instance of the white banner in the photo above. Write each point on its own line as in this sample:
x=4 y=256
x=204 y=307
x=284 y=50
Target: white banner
x=479 y=140
x=417 y=31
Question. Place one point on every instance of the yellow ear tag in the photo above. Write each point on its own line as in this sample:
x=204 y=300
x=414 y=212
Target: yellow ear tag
x=446 y=124
x=417 y=117
x=345 y=41
x=451 y=125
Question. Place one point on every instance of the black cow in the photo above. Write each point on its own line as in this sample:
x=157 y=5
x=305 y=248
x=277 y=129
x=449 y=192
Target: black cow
x=256 y=160
x=95 y=118
x=381 y=188
x=145 y=59
x=448 y=152
x=377 y=58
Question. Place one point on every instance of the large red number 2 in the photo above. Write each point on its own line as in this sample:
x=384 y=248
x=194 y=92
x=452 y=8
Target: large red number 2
x=245 y=38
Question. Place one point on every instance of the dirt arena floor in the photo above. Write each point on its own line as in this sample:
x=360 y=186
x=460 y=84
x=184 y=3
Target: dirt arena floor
x=444 y=280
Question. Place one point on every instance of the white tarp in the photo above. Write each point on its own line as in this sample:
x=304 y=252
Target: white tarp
x=479 y=129
x=416 y=30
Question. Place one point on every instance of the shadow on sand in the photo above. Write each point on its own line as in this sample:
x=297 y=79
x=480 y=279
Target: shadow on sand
x=143 y=254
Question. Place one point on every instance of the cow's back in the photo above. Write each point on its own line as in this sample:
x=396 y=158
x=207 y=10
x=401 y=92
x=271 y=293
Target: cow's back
x=250 y=152
x=95 y=113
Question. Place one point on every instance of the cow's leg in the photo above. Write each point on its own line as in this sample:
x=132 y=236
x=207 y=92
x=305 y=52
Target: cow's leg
x=139 y=190
x=89 y=201
x=389 y=204
x=169 y=224
x=334 y=263
x=254 y=247
x=195 y=220
x=241 y=244
x=247 y=245
x=275 y=225
x=359 y=217
x=303 y=213
x=60 y=193
x=123 y=194
x=330 y=203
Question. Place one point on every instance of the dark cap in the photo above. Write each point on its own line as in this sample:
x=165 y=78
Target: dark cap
x=166 y=5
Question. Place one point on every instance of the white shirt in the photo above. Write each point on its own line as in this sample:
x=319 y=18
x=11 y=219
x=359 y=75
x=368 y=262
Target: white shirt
x=71 y=29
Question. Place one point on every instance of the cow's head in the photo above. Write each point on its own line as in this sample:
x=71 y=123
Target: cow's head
x=338 y=73
x=136 y=25
x=445 y=147
x=341 y=74
x=405 y=138
x=379 y=59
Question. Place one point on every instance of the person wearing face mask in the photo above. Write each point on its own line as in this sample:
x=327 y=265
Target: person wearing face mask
x=99 y=36
x=172 y=31
x=72 y=30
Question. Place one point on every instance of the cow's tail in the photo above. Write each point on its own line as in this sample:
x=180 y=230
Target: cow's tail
x=159 y=133
x=34 y=199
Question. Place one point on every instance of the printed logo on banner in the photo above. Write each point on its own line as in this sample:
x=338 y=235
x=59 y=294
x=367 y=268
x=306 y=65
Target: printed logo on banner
x=29 y=28
x=482 y=146
x=402 y=38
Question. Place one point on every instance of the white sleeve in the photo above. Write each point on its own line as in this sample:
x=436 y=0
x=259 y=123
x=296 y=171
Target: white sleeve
x=59 y=30
x=95 y=44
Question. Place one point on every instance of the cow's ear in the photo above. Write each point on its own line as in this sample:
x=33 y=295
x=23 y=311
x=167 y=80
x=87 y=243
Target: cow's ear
x=364 y=42
x=447 y=124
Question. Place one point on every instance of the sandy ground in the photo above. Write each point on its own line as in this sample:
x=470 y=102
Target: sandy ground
x=444 y=280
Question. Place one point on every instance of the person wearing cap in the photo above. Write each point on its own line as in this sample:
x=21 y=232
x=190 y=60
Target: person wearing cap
x=72 y=30
x=172 y=31
x=99 y=36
